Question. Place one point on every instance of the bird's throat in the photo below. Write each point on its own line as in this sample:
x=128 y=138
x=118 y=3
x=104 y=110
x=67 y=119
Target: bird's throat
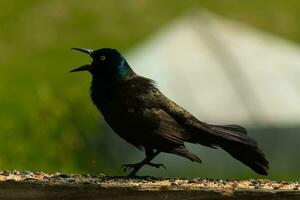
x=101 y=89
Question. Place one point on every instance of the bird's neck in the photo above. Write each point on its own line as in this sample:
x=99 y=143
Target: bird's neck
x=105 y=83
x=124 y=71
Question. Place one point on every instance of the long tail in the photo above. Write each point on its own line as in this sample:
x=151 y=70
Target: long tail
x=234 y=140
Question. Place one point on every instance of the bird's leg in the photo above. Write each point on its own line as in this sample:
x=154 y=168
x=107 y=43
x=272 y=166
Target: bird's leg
x=149 y=152
x=137 y=166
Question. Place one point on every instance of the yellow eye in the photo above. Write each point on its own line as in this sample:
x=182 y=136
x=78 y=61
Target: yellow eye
x=102 y=57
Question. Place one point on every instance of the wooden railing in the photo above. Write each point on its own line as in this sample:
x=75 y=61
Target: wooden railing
x=28 y=185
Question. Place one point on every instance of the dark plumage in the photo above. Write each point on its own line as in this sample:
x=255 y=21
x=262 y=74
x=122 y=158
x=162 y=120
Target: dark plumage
x=139 y=113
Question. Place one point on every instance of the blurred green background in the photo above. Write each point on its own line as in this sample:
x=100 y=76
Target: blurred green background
x=47 y=121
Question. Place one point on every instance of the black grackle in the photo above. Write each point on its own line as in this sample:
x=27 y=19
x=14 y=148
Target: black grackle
x=139 y=113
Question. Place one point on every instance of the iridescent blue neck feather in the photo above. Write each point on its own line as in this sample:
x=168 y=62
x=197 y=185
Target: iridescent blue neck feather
x=124 y=70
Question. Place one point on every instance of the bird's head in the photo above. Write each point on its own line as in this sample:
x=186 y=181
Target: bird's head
x=106 y=62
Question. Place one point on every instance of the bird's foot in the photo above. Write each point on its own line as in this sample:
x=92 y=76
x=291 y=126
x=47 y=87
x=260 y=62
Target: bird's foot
x=157 y=165
x=132 y=167
x=136 y=166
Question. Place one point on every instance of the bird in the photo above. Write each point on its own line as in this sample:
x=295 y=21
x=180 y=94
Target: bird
x=135 y=109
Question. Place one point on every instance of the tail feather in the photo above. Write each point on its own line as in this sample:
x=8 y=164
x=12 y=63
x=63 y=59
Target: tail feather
x=233 y=132
x=232 y=127
x=234 y=140
x=247 y=154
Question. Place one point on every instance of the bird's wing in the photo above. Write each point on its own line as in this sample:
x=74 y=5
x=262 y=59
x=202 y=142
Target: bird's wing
x=150 y=97
x=160 y=131
x=145 y=99
x=187 y=122
x=206 y=134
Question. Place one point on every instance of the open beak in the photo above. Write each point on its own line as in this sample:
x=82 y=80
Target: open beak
x=88 y=51
x=84 y=67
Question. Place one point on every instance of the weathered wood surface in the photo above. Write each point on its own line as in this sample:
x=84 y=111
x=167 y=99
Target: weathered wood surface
x=28 y=185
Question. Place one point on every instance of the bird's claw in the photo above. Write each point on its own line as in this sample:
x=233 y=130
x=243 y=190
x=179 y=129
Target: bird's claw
x=129 y=166
x=157 y=165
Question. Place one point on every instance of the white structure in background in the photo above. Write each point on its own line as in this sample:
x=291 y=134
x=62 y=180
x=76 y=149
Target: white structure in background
x=223 y=71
